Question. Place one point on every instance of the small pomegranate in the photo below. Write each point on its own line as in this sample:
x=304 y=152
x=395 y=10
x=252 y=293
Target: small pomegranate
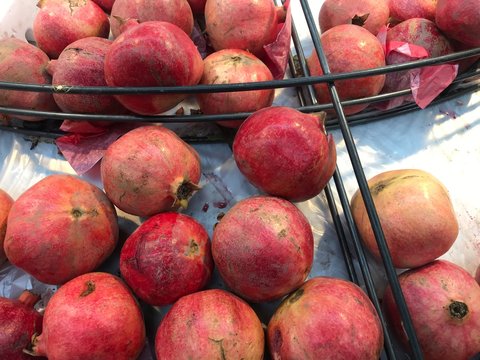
x=6 y=203
x=458 y=19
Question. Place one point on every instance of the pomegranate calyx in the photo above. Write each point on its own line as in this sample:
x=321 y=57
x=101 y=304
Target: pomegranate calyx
x=184 y=191
x=458 y=310
x=360 y=19
x=32 y=348
x=28 y=298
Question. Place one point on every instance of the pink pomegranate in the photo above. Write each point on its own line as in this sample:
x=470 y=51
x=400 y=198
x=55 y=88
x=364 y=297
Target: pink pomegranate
x=327 y=318
x=285 y=153
x=21 y=62
x=349 y=48
x=402 y=10
x=93 y=316
x=210 y=324
x=59 y=228
x=105 y=4
x=81 y=63
x=234 y=66
x=173 y=60
x=150 y=170
x=127 y=13
x=167 y=257
x=419 y=228
x=19 y=322
x=444 y=304
x=198 y=6
x=6 y=203
x=263 y=248
x=371 y=14
x=61 y=22
x=242 y=24
x=458 y=19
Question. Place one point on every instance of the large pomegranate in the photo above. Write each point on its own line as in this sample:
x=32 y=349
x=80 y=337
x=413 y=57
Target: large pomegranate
x=458 y=19
x=263 y=248
x=173 y=60
x=326 y=318
x=285 y=153
x=416 y=215
x=150 y=170
x=59 y=228
x=408 y=9
x=349 y=48
x=167 y=257
x=93 y=316
x=210 y=324
x=6 y=203
x=444 y=303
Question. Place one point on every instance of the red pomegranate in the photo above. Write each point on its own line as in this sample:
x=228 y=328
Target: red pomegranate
x=59 y=228
x=326 y=318
x=408 y=9
x=444 y=304
x=210 y=324
x=6 y=203
x=458 y=19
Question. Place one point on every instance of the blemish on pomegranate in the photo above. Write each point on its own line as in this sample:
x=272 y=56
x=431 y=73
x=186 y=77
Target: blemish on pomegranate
x=295 y=296
x=90 y=287
x=277 y=340
x=76 y=212
x=282 y=233
x=458 y=309
x=193 y=248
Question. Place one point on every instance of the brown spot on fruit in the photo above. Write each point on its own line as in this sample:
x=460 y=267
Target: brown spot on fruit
x=90 y=287
x=76 y=213
x=295 y=296
x=458 y=310
x=192 y=248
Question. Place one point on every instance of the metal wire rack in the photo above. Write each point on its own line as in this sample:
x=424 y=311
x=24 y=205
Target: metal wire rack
x=300 y=79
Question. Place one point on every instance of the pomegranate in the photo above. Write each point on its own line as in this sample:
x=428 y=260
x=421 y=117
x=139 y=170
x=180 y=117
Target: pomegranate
x=402 y=10
x=210 y=324
x=150 y=170
x=349 y=48
x=285 y=153
x=61 y=22
x=6 y=203
x=127 y=13
x=242 y=24
x=19 y=322
x=458 y=19
x=371 y=14
x=172 y=57
x=93 y=316
x=234 y=66
x=167 y=257
x=81 y=63
x=263 y=248
x=326 y=318
x=21 y=62
x=444 y=304
x=59 y=228
x=197 y=6
x=419 y=228
x=105 y=4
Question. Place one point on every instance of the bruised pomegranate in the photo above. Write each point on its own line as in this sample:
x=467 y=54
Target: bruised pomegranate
x=242 y=24
x=210 y=324
x=59 y=228
x=263 y=248
x=173 y=60
x=444 y=304
x=285 y=153
x=150 y=170
x=6 y=203
x=349 y=48
x=93 y=316
x=458 y=19
x=234 y=66
x=19 y=321
x=326 y=318
x=127 y=13
x=167 y=257
x=416 y=215
x=21 y=62
x=371 y=14
x=408 y=9
x=61 y=22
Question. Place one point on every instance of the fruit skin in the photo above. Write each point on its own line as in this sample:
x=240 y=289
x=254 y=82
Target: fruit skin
x=416 y=214
x=150 y=170
x=263 y=248
x=6 y=203
x=126 y=13
x=93 y=316
x=285 y=153
x=337 y=12
x=167 y=257
x=234 y=66
x=349 y=48
x=458 y=19
x=59 y=228
x=326 y=318
x=210 y=324
x=408 y=9
x=173 y=61
x=106 y=5
x=444 y=304
x=21 y=62
x=61 y=22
